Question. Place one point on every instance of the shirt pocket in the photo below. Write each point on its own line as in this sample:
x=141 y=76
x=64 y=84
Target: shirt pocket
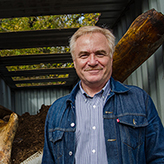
x=55 y=137
x=132 y=129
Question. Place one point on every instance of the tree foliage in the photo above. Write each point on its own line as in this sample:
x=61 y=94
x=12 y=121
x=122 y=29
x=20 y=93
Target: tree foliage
x=48 y=22
x=40 y=66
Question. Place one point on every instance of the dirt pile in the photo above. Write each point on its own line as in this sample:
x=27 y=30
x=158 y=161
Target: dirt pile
x=29 y=137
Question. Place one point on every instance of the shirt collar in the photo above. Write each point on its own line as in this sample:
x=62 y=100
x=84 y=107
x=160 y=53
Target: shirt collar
x=104 y=92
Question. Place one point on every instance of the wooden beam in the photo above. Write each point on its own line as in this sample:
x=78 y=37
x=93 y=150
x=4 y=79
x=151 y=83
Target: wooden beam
x=36 y=59
x=42 y=80
x=39 y=72
x=10 y=9
x=142 y=39
x=7 y=79
x=67 y=85
x=37 y=38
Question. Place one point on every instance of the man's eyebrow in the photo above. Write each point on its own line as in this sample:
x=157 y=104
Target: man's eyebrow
x=101 y=51
x=83 y=52
x=86 y=52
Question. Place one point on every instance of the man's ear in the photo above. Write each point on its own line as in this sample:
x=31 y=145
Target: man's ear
x=74 y=64
x=112 y=61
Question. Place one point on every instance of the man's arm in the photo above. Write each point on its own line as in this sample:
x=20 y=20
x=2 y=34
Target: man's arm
x=154 y=136
x=47 y=152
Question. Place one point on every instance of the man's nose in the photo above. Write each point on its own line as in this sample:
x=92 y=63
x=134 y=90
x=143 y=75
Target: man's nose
x=92 y=61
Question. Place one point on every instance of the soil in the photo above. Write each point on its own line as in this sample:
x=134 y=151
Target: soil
x=29 y=137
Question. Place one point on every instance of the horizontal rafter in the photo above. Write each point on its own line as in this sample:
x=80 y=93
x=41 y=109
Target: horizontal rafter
x=43 y=80
x=36 y=59
x=19 y=8
x=66 y=85
x=41 y=72
x=33 y=39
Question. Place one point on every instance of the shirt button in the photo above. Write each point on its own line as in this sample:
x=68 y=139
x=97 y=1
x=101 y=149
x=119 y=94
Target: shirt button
x=70 y=153
x=72 y=124
x=94 y=127
x=93 y=151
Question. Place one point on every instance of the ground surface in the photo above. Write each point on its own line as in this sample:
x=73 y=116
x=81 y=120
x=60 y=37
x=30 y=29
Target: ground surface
x=29 y=137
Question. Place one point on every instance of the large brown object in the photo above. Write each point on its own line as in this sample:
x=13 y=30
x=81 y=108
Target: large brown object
x=7 y=134
x=142 y=39
x=4 y=111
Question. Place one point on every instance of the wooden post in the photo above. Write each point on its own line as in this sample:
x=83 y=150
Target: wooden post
x=142 y=39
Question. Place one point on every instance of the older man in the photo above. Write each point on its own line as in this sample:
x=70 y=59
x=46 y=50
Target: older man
x=101 y=121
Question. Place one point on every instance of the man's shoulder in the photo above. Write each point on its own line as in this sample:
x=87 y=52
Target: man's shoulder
x=135 y=89
x=60 y=100
x=123 y=88
x=61 y=103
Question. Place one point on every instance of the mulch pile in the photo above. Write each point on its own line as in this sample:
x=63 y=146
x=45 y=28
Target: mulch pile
x=29 y=137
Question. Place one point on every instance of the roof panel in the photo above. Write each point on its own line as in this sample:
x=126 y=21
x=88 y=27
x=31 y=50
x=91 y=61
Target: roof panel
x=19 y=8
x=35 y=59
x=39 y=38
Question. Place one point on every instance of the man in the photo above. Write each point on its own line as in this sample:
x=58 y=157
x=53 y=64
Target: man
x=101 y=121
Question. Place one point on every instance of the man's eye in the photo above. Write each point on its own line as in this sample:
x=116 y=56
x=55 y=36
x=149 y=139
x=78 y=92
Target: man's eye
x=83 y=56
x=100 y=54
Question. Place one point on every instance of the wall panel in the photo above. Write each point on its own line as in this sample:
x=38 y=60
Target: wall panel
x=32 y=100
x=5 y=95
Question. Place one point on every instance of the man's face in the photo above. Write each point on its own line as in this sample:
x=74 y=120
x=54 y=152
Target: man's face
x=92 y=59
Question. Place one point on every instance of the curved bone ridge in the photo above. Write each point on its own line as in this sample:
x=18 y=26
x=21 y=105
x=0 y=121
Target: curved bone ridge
x=7 y=134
